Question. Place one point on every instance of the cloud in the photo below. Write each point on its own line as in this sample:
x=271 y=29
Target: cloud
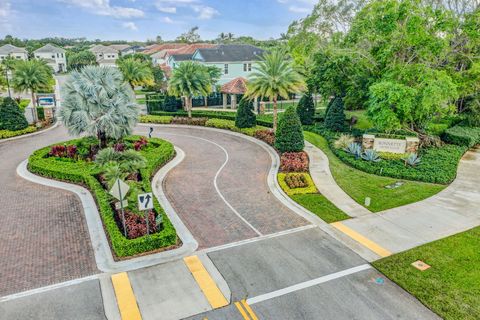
x=297 y=9
x=171 y=6
x=130 y=25
x=104 y=8
x=167 y=20
x=5 y=14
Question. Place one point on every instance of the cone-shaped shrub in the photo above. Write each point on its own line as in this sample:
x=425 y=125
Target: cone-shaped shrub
x=306 y=109
x=245 y=117
x=335 y=117
x=289 y=135
x=11 y=118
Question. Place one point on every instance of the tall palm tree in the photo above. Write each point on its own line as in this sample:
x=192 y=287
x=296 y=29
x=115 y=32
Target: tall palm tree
x=136 y=72
x=189 y=79
x=31 y=75
x=274 y=76
x=214 y=74
x=97 y=101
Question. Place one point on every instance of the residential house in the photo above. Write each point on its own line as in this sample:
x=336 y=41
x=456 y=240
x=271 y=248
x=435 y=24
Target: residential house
x=235 y=60
x=163 y=46
x=9 y=50
x=106 y=56
x=132 y=50
x=54 y=56
x=175 y=59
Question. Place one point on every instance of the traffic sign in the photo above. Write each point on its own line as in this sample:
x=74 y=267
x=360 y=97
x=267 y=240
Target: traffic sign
x=118 y=205
x=119 y=189
x=145 y=201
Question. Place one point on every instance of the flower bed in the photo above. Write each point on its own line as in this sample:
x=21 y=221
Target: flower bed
x=438 y=164
x=294 y=162
x=73 y=168
x=307 y=186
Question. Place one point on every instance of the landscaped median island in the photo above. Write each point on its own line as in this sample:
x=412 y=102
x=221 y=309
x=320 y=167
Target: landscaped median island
x=138 y=159
x=451 y=286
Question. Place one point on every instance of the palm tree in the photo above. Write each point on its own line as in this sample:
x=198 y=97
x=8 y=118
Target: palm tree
x=136 y=72
x=214 y=74
x=98 y=102
x=274 y=76
x=189 y=79
x=32 y=75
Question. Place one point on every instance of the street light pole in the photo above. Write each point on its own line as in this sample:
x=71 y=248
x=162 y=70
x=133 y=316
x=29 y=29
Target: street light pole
x=8 y=82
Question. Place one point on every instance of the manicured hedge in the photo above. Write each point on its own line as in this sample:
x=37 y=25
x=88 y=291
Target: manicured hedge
x=262 y=120
x=230 y=125
x=4 y=134
x=438 y=165
x=83 y=173
x=462 y=136
x=311 y=188
x=156 y=119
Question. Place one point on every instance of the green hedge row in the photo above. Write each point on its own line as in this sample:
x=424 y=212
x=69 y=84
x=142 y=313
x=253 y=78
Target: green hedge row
x=438 y=165
x=81 y=172
x=262 y=120
x=462 y=136
x=4 y=134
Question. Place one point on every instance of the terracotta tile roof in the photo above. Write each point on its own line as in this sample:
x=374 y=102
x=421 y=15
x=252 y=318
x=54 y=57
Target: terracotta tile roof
x=158 y=47
x=166 y=69
x=191 y=48
x=236 y=86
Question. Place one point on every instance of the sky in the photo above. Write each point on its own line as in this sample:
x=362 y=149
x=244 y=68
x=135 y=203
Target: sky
x=145 y=19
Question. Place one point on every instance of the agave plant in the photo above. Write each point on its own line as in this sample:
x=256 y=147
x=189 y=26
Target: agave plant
x=343 y=141
x=371 y=155
x=412 y=159
x=354 y=149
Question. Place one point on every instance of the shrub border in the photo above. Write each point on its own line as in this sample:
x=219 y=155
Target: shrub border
x=120 y=246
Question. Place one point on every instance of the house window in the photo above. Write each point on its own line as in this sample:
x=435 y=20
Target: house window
x=53 y=56
x=225 y=68
x=19 y=57
x=247 y=67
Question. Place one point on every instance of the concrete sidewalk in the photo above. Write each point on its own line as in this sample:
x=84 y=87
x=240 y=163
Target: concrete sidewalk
x=321 y=175
x=451 y=211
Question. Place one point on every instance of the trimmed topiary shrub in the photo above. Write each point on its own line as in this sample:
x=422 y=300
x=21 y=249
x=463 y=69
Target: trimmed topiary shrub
x=245 y=117
x=289 y=135
x=11 y=118
x=335 y=117
x=306 y=109
x=462 y=136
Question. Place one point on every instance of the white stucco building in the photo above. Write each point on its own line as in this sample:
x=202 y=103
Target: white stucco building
x=54 y=56
x=106 y=56
x=9 y=50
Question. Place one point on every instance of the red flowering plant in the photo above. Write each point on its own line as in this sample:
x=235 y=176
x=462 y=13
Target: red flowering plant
x=294 y=162
x=266 y=136
x=140 y=144
x=137 y=225
x=61 y=151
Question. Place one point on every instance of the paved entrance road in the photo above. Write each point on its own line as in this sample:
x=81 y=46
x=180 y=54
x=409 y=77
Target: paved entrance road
x=256 y=270
x=220 y=190
x=43 y=235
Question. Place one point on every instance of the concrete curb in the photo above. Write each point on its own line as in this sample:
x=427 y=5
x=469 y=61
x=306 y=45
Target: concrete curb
x=56 y=124
x=103 y=255
x=282 y=196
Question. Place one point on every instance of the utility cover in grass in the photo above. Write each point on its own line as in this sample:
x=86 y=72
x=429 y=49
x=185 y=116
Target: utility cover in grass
x=289 y=135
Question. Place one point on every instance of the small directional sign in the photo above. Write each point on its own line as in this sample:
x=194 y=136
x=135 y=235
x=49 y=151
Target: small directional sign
x=119 y=189
x=145 y=201
x=118 y=205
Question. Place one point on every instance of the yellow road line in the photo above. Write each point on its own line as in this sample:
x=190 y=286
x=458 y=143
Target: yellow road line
x=127 y=304
x=213 y=294
x=242 y=312
x=382 y=252
x=249 y=310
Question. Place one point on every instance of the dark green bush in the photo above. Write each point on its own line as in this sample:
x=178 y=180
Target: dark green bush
x=335 y=116
x=438 y=165
x=84 y=173
x=41 y=113
x=306 y=109
x=462 y=136
x=289 y=135
x=245 y=118
x=11 y=118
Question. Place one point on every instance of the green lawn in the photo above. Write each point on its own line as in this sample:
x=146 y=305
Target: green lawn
x=363 y=122
x=359 y=185
x=141 y=101
x=451 y=287
x=321 y=206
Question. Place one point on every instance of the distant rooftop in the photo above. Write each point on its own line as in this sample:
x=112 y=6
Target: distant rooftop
x=182 y=57
x=48 y=48
x=103 y=49
x=8 y=48
x=231 y=52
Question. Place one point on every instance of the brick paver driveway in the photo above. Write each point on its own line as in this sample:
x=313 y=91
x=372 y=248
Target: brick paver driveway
x=43 y=234
x=220 y=190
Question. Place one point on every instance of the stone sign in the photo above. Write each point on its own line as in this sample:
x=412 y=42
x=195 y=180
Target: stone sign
x=390 y=145
x=407 y=145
